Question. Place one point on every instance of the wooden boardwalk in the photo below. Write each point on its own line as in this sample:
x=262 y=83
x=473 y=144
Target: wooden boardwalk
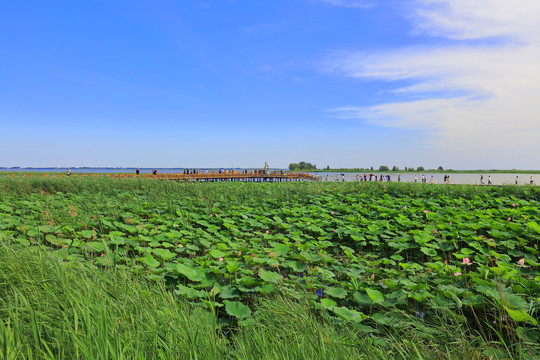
x=214 y=177
x=203 y=176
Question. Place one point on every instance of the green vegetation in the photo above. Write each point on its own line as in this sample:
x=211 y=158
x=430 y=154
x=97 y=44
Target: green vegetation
x=302 y=166
x=131 y=268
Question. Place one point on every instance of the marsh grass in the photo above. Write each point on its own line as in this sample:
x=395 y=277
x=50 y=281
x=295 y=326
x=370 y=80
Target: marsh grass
x=69 y=310
x=54 y=309
x=157 y=190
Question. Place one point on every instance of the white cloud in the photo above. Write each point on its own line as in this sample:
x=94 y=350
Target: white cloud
x=476 y=19
x=467 y=97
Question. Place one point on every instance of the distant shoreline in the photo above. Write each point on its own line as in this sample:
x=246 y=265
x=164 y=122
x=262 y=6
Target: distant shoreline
x=426 y=171
x=177 y=169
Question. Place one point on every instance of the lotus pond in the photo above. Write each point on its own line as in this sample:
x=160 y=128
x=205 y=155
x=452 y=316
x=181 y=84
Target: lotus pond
x=363 y=252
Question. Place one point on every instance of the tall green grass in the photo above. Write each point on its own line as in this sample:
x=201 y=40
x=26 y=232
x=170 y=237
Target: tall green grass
x=70 y=310
x=53 y=309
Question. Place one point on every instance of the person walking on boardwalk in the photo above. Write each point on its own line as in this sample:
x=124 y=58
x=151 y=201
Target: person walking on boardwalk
x=137 y=171
x=481 y=179
x=517 y=179
x=489 y=180
x=532 y=180
x=415 y=178
x=68 y=172
x=154 y=172
x=399 y=178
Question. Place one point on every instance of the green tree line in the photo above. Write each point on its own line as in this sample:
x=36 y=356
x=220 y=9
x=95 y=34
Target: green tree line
x=302 y=165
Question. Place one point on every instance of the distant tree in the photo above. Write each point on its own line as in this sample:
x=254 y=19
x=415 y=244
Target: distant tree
x=293 y=166
x=395 y=168
x=405 y=168
x=383 y=168
x=327 y=167
x=371 y=168
x=440 y=168
x=302 y=165
x=420 y=168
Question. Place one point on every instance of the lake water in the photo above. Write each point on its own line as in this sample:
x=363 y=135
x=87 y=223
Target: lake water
x=466 y=179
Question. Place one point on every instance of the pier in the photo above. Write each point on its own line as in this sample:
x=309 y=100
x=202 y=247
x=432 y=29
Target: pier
x=214 y=177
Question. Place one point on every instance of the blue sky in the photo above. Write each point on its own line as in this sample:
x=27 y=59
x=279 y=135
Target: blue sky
x=235 y=83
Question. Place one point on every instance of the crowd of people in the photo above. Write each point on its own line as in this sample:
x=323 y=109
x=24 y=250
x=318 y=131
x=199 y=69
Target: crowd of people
x=423 y=178
x=220 y=171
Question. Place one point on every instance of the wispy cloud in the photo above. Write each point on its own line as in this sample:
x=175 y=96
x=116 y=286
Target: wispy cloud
x=466 y=96
x=476 y=19
x=349 y=3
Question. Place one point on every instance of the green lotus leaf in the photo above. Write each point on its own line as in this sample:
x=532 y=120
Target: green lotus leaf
x=229 y=292
x=375 y=295
x=327 y=303
x=428 y=251
x=269 y=276
x=521 y=316
x=237 y=309
x=192 y=274
x=348 y=314
x=337 y=292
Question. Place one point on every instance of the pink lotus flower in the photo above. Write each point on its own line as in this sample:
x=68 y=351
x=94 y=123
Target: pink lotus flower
x=514 y=205
x=211 y=215
x=405 y=207
x=450 y=223
x=521 y=262
x=220 y=259
x=457 y=273
x=332 y=213
x=509 y=219
x=466 y=261
x=268 y=232
x=425 y=211
x=372 y=276
x=239 y=253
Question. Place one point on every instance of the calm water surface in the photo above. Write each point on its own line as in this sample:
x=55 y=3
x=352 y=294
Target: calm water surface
x=437 y=178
